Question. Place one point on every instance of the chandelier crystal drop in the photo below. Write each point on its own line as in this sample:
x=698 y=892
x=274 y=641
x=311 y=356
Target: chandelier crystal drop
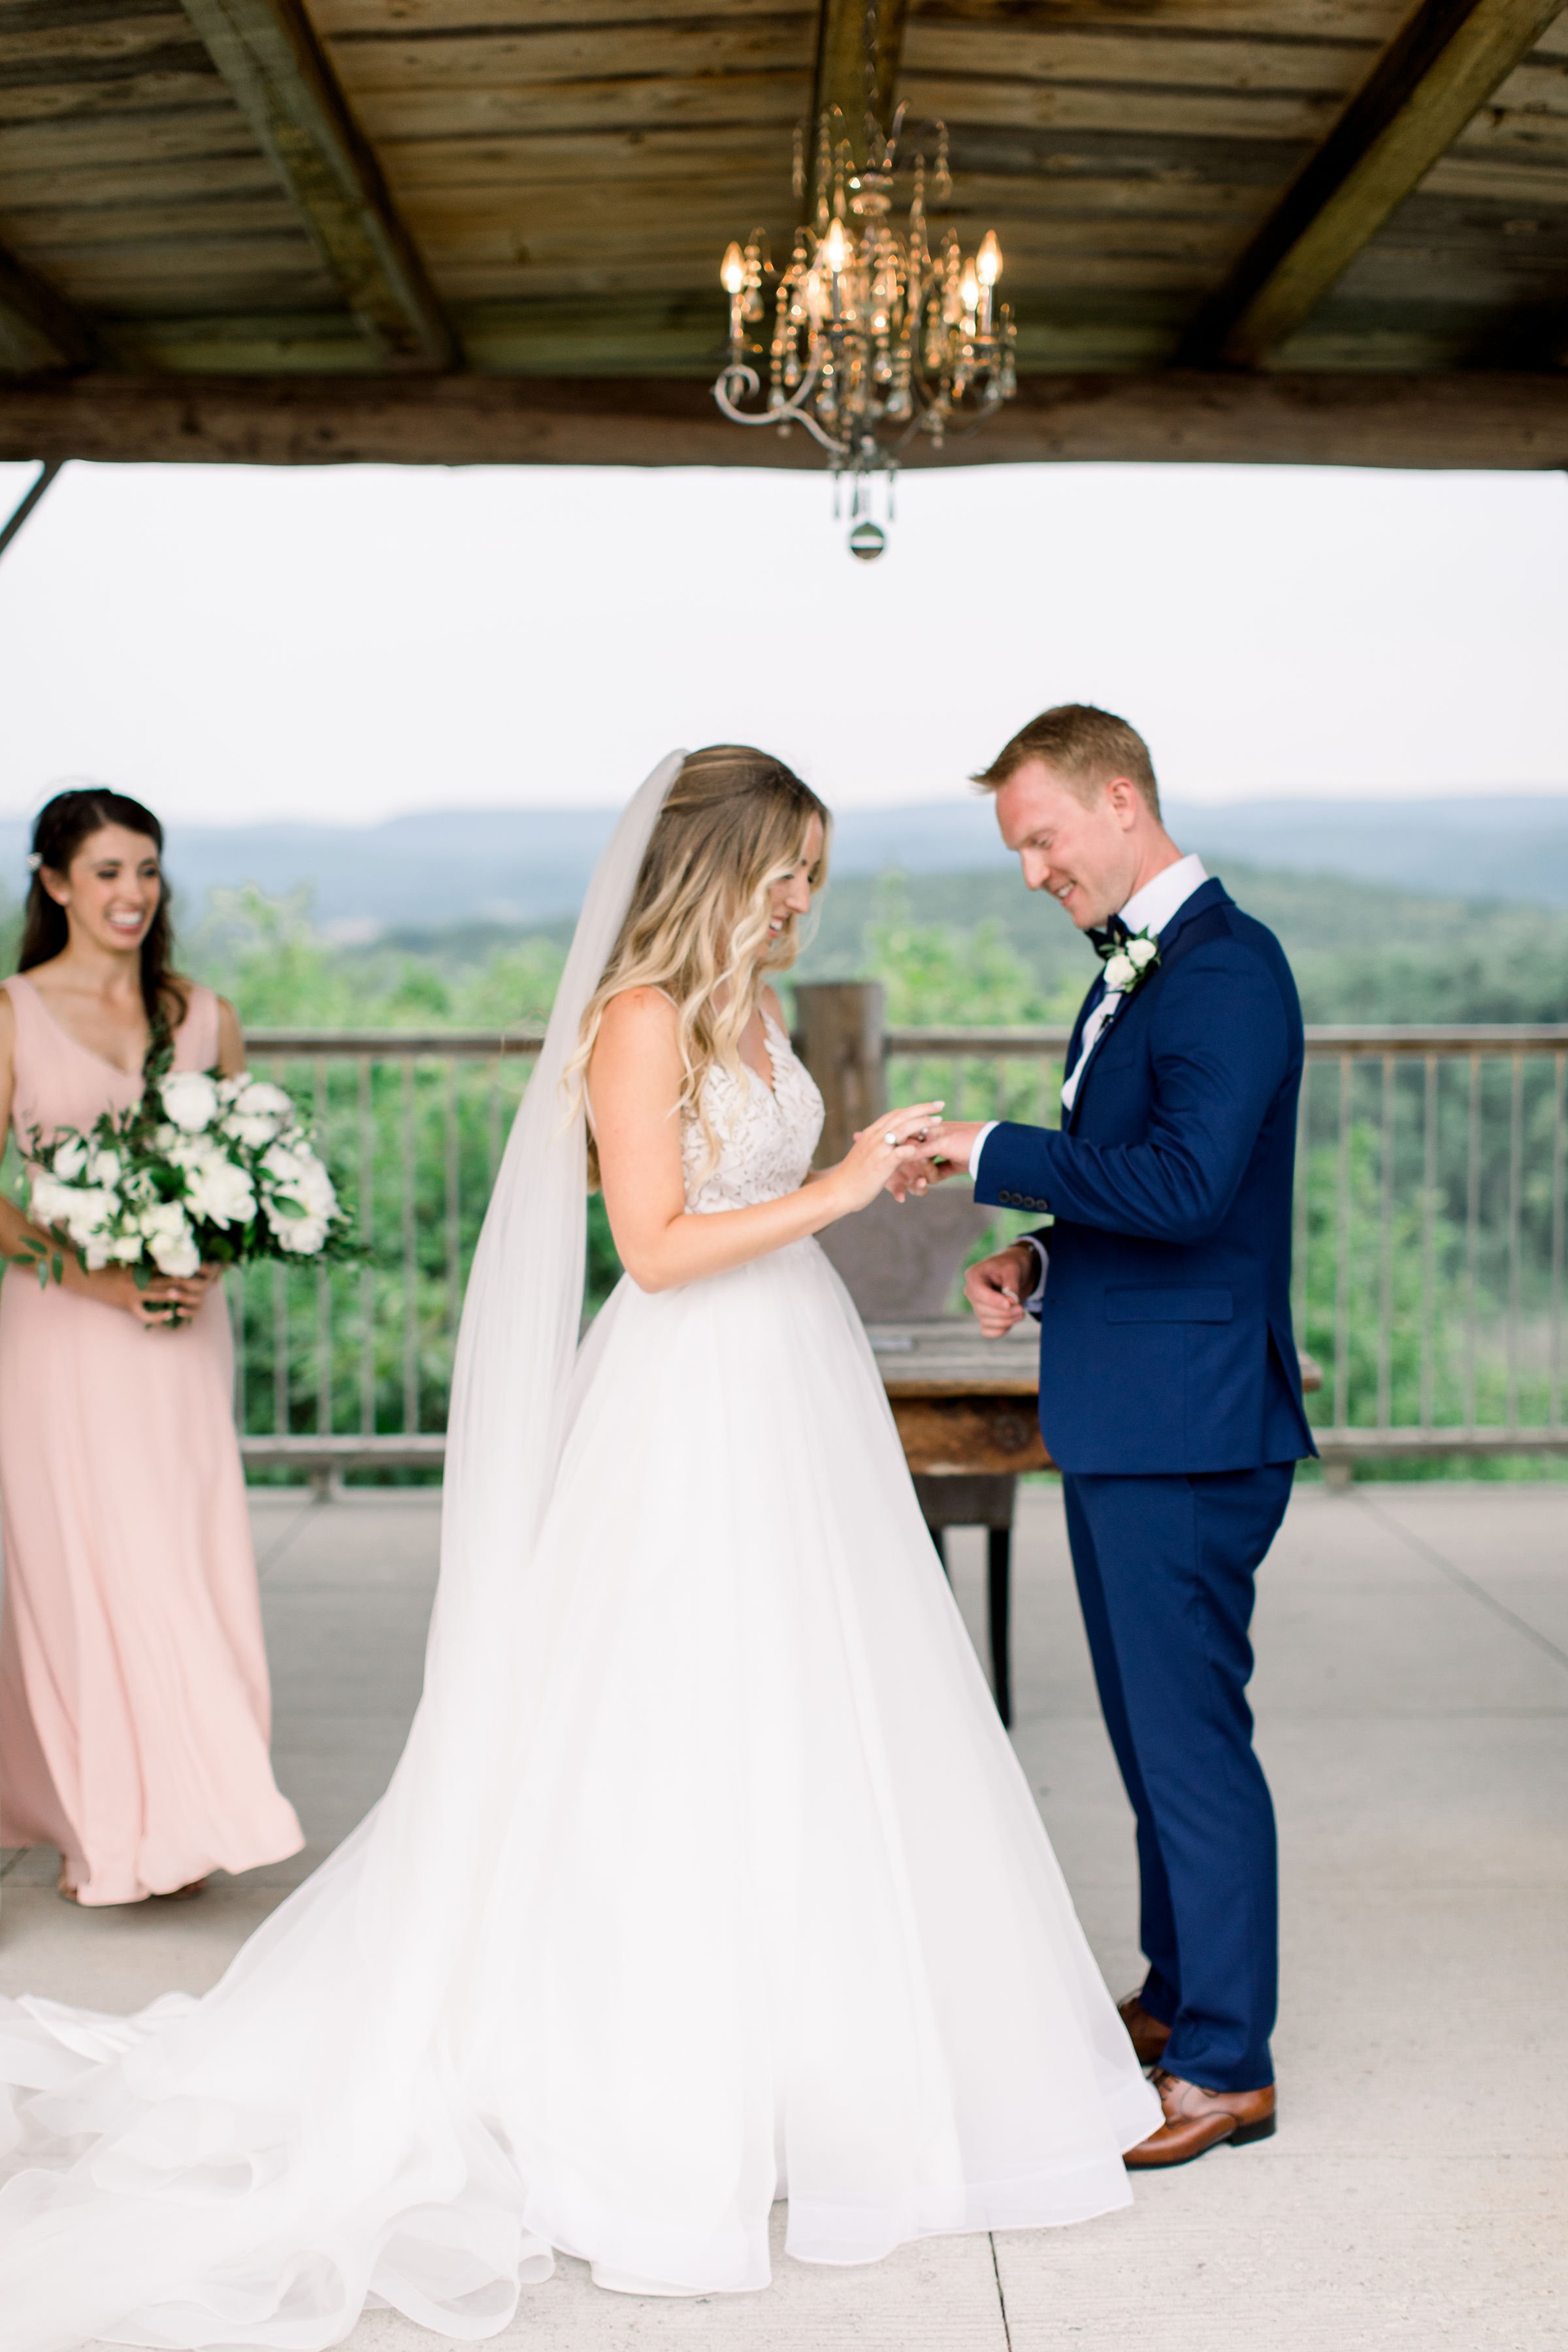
x=880 y=332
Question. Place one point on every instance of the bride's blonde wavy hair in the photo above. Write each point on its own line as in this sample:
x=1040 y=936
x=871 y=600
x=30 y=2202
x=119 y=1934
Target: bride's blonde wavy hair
x=735 y=823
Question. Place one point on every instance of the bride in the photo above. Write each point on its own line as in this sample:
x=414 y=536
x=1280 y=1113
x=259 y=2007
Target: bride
x=708 y=1876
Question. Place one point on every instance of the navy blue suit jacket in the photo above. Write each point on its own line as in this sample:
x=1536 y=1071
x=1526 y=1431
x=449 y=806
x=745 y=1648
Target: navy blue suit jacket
x=1165 y=1342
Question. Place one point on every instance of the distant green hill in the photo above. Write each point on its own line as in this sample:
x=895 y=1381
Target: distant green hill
x=1360 y=951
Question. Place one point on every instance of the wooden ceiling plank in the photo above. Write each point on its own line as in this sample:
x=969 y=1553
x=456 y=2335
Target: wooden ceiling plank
x=1129 y=53
x=977 y=100
x=87 y=188
x=338 y=20
x=40 y=331
x=136 y=93
x=470 y=60
x=714 y=101
x=1466 y=419
x=280 y=78
x=179 y=133
x=1439 y=70
x=1498 y=178
x=103 y=40
x=154 y=228
x=1299 y=20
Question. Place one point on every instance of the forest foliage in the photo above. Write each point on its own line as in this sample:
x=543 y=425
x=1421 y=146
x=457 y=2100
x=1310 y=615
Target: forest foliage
x=1436 y=1288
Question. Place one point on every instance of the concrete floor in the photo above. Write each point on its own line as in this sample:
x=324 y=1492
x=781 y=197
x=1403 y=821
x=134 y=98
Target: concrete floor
x=1413 y=1705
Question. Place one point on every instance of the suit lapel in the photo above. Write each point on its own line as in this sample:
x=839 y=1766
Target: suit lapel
x=1209 y=893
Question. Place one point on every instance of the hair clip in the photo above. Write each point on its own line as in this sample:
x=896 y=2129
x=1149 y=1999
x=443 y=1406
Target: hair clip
x=34 y=861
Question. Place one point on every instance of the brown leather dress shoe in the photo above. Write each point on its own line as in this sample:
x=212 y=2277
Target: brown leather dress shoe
x=1146 y=2033
x=1197 y=2120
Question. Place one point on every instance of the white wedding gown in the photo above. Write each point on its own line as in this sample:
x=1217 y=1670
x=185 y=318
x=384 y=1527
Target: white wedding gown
x=757 y=1903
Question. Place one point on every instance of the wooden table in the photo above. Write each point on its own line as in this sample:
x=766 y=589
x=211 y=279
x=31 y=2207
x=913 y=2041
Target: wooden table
x=967 y=1411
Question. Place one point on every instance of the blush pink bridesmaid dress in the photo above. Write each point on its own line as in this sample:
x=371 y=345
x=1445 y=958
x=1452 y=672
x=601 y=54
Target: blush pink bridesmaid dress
x=135 y=1707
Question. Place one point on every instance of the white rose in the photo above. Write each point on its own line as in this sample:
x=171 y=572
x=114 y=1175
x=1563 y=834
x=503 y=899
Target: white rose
x=93 y=1213
x=282 y=1165
x=259 y=1113
x=81 y=1212
x=196 y=1151
x=103 y=1168
x=303 y=1236
x=314 y=1185
x=190 y=1098
x=171 y=1243
x=164 y=1217
x=1120 y=972
x=220 y=1192
x=176 y=1254
x=71 y=1158
x=122 y=1249
x=259 y=1097
x=1143 y=952
x=252 y=1132
x=49 y=1200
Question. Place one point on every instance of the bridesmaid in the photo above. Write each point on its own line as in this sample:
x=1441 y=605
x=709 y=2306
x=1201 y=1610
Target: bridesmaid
x=134 y=1708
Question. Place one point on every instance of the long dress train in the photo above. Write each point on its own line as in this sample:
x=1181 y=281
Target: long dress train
x=754 y=1900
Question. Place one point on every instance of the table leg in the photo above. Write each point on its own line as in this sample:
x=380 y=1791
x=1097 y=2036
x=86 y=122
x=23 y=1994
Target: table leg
x=999 y=1579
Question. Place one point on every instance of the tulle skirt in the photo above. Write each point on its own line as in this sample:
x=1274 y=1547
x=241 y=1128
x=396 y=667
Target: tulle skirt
x=762 y=1907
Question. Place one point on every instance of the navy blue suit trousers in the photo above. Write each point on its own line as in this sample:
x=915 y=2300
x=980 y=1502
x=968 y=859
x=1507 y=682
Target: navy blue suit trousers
x=1165 y=1570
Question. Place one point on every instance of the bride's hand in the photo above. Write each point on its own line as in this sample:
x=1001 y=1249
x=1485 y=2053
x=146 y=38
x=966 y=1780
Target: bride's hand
x=894 y=1139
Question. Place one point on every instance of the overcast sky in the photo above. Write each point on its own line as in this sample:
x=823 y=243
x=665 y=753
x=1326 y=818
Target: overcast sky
x=235 y=643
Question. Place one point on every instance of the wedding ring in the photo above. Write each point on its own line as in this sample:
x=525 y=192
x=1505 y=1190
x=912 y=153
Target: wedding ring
x=891 y=1141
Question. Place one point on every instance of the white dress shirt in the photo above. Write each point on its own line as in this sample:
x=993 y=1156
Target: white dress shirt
x=1149 y=909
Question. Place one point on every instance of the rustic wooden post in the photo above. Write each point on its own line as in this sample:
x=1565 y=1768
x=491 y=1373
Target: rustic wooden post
x=841 y=1041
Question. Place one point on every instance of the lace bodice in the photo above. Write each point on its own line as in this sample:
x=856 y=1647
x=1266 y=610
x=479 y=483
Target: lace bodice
x=766 y=1135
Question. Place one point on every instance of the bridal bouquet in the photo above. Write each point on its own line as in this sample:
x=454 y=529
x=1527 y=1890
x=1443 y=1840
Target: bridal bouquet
x=202 y=1170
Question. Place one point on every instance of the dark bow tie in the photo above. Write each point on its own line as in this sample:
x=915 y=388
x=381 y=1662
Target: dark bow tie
x=1115 y=935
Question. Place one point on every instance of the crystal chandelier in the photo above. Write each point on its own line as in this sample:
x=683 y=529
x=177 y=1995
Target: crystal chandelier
x=878 y=334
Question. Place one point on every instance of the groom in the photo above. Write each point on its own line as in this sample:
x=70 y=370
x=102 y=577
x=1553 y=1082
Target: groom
x=1170 y=1394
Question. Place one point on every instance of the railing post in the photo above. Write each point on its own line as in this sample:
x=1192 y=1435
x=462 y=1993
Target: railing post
x=841 y=1041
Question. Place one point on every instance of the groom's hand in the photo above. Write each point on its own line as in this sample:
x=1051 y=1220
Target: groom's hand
x=949 y=1142
x=997 y=1286
x=944 y=1150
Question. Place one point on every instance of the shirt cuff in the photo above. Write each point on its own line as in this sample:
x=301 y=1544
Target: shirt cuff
x=979 y=1145
x=1037 y=1297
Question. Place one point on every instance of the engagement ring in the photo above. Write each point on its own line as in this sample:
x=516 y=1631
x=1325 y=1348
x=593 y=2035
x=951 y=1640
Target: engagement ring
x=891 y=1141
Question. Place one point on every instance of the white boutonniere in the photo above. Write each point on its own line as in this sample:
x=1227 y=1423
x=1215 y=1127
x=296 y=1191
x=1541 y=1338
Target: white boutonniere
x=1130 y=962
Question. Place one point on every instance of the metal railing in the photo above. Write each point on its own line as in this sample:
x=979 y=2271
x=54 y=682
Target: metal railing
x=1427 y=1279
x=1429 y=1230
x=337 y=1367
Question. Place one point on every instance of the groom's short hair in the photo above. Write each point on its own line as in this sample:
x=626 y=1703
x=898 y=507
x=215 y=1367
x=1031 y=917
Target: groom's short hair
x=1085 y=747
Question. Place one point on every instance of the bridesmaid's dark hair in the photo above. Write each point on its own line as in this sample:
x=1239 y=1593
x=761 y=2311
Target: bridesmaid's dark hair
x=60 y=830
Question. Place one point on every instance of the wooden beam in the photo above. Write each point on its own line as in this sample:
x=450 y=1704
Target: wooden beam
x=279 y=75
x=841 y=61
x=39 y=331
x=1434 y=75
x=1465 y=419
